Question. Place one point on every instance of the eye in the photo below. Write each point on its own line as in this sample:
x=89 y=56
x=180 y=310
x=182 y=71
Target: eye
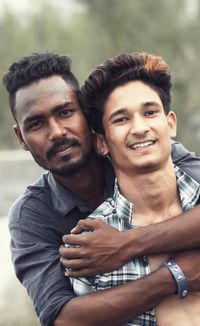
x=120 y=120
x=150 y=112
x=65 y=113
x=34 y=125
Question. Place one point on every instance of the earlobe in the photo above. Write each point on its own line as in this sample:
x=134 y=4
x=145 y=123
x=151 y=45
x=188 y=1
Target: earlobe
x=171 y=118
x=20 y=137
x=100 y=144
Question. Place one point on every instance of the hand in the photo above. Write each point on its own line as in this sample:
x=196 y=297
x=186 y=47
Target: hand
x=189 y=262
x=96 y=252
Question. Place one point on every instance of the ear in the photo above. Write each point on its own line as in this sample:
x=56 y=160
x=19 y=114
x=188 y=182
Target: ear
x=20 y=137
x=171 y=119
x=100 y=144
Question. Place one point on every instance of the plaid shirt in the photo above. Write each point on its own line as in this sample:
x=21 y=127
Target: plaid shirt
x=117 y=211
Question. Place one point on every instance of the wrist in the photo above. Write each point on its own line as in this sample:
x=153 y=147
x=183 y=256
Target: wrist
x=160 y=285
x=180 y=279
x=131 y=244
x=144 y=241
x=165 y=276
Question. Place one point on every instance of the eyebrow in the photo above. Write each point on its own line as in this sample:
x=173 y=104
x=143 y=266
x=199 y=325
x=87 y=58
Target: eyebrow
x=117 y=112
x=32 y=118
x=150 y=103
x=143 y=105
x=56 y=109
x=59 y=107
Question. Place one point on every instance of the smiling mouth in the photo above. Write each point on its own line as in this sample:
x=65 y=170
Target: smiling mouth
x=143 y=145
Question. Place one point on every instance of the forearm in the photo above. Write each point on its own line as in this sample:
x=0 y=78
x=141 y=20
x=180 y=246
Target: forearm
x=118 y=305
x=179 y=233
x=106 y=249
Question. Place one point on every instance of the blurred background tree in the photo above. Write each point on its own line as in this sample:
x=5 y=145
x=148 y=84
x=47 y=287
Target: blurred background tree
x=92 y=30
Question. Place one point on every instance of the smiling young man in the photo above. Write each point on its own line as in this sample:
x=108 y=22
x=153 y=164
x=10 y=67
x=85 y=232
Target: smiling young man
x=51 y=125
x=131 y=114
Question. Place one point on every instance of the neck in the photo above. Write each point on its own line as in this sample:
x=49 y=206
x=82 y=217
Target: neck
x=88 y=183
x=154 y=194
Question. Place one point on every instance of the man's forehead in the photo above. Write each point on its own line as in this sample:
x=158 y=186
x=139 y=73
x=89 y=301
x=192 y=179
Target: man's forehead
x=44 y=90
x=134 y=92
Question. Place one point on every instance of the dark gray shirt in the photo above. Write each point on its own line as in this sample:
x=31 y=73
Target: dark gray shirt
x=39 y=219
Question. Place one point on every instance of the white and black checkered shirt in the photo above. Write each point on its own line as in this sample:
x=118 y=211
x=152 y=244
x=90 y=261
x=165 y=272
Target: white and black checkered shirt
x=117 y=211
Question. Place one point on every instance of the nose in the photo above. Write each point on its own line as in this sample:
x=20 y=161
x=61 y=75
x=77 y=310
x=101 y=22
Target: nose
x=56 y=130
x=139 y=126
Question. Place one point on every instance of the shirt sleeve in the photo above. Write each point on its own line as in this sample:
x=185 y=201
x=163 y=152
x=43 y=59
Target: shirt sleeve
x=186 y=160
x=34 y=249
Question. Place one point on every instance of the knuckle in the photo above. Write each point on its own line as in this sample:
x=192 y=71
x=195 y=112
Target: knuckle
x=98 y=222
x=83 y=253
x=85 y=241
x=81 y=222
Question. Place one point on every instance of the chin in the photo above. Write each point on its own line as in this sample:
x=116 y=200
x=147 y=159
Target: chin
x=68 y=169
x=148 y=167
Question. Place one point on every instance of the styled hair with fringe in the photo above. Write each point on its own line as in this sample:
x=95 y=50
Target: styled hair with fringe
x=117 y=71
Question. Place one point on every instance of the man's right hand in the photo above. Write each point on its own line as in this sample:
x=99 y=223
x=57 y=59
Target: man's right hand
x=101 y=250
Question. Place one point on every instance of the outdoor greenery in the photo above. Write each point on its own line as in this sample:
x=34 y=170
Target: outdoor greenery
x=93 y=30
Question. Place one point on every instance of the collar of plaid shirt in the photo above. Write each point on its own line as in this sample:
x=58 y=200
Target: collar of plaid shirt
x=189 y=191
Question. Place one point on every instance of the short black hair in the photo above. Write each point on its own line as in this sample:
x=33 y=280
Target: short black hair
x=117 y=71
x=35 y=67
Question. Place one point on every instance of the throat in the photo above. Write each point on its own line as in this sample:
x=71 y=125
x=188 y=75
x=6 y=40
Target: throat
x=94 y=197
x=88 y=184
x=155 y=196
x=154 y=214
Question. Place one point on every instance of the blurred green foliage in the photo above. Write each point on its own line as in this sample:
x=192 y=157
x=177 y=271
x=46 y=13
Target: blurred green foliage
x=92 y=30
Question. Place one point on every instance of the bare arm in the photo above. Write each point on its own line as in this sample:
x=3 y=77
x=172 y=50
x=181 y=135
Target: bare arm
x=106 y=249
x=118 y=305
x=176 y=234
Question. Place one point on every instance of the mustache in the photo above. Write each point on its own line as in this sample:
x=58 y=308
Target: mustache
x=59 y=144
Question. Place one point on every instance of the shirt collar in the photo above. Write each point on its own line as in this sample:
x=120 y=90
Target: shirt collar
x=189 y=191
x=63 y=199
x=123 y=207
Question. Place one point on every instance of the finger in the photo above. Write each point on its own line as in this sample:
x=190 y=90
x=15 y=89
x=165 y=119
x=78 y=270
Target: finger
x=85 y=272
x=84 y=225
x=74 y=264
x=73 y=239
x=70 y=252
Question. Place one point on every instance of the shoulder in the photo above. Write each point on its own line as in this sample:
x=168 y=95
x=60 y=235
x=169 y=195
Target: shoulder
x=186 y=160
x=36 y=197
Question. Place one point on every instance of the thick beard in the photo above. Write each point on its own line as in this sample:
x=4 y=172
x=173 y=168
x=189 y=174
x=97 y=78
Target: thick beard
x=68 y=169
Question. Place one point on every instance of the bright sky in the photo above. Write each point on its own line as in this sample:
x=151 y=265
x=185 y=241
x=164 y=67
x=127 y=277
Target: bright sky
x=18 y=5
x=26 y=5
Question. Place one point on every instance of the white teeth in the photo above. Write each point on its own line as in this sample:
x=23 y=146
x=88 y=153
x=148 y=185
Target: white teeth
x=142 y=145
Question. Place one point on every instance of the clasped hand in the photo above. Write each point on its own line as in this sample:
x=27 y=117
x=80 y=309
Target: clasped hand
x=101 y=250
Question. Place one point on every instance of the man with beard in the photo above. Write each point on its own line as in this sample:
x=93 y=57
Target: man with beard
x=50 y=124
